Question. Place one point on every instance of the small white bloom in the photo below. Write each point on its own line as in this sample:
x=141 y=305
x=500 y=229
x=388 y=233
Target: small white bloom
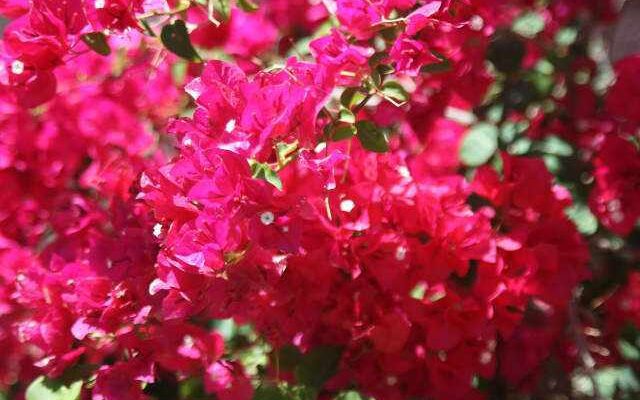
x=401 y=253
x=187 y=341
x=267 y=218
x=17 y=67
x=230 y=126
x=476 y=23
x=404 y=171
x=157 y=230
x=99 y=4
x=347 y=205
x=187 y=142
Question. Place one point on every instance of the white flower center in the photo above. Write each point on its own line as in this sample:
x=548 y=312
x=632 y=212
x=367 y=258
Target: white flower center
x=401 y=253
x=157 y=230
x=17 y=67
x=230 y=126
x=476 y=23
x=99 y=4
x=187 y=341
x=267 y=218
x=347 y=205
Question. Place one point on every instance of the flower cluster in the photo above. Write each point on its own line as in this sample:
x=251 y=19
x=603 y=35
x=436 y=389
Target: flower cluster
x=301 y=199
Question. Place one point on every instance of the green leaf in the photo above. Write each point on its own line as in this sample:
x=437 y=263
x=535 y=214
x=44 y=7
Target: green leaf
x=44 y=388
x=350 y=395
x=371 y=137
x=529 y=24
x=611 y=379
x=552 y=162
x=269 y=393
x=264 y=172
x=377 y=58
x=555 y=146
x=225 y=327
x=179 y=72
x=351 y=97
x=286 y=152
x=318 y=366
x=247 y=5
x=437 y=67
x=418 y=291
x=566 y=36
x=175 y=38
x=339 y=131
x=97 y=41
x=480 y=143
x=192 y=388
x=284 y=391
x=582 y=217
x=520 y=146
x=345 y=115
x=628 y=351
x=224 y=8
x=289 y=357
x=395 y=91
x=385 y=69
x=376 y=78
x=543 y=83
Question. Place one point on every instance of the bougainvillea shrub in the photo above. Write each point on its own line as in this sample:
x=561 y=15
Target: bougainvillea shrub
x=305 y=199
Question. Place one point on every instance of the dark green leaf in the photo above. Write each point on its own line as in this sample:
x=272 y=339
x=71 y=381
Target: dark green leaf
x=371 y=137
x=339 y=131
x=46 y=389
x=377 y=58
x=395 y=91
x=97 y=41
x=506 y=51
x=175 y=38
x=385 y=69
x=318 y=366
x=435 y=68
x=247 y=5
x=480 y=143
x=351 y=97
x=269 y=393
x=376 y=78
x=289 y=357
x=284 y=392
